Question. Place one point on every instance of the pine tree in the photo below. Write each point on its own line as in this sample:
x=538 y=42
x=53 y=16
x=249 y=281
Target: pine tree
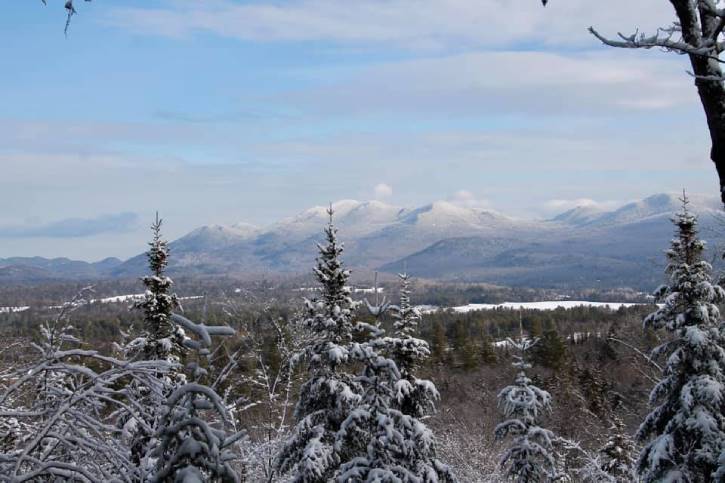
x=686 y=429
x=330 y=393
x=529 y=458
x=162 y=339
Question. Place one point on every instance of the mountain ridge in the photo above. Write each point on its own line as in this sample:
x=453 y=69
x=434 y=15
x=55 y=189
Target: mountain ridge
x=440 y=240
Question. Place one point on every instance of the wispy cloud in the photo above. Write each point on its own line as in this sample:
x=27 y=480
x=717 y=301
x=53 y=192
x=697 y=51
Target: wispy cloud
x=74 y=227
x=411 y=24
x=481 y=84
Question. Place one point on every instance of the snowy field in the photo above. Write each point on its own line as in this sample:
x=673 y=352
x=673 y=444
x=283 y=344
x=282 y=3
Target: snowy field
x=6 y=310
x=545 y=305
x=108 y=300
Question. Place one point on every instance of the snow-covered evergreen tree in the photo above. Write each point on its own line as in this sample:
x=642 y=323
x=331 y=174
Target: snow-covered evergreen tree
x=380 y=442
x=162 y=339
x=686 y=429
x=330 y=393
x=529 y=458
x=193 y=444
x=414 y=397
x=617 y=456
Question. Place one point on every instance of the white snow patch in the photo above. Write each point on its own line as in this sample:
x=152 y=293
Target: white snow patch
x=545 y=305
x=11 y=310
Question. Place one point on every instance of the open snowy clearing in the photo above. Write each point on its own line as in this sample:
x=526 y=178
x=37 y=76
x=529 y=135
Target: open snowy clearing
x=545 y=305
x=106 y=300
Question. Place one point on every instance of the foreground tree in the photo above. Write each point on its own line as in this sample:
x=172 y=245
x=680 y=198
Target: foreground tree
x=414 y=397
x=196 y=436
x=331 y=392
x=529 y=458
x=66 y=400
x=696 y=31
x=381 y=443
x=686 y=429
x=161 y=340
x=270 y=344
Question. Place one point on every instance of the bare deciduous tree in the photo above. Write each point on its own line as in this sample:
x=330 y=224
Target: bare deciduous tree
x=696 y=31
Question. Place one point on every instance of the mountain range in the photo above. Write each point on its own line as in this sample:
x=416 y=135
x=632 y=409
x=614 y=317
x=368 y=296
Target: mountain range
x=582 y=247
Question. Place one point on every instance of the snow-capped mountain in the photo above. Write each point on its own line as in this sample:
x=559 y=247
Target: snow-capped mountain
x=660 y=205
x=582 y=246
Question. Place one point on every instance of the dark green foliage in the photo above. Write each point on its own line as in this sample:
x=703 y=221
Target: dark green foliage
x=550 y=351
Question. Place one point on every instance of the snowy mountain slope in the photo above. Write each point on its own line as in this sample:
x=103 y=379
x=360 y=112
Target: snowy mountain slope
x=659 y=205
x=621 y=249
x=584 y=245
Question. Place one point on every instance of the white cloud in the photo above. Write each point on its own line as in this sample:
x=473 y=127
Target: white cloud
x=382 y=191
x=466 y=199
x=483 y=84
x=412 y=24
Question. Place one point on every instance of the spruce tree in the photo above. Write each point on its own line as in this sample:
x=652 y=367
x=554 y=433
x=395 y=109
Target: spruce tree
x=685 y=432
x=196 y=439
x=379 y=442
x=529 y=458
x=617 y=455
x=162 y=338
x=414 y=397
x=330 y=393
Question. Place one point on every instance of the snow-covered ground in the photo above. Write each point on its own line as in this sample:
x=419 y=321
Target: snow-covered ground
x=351 y=289
x=107 y=300
x=6 y=310
x=546 y=305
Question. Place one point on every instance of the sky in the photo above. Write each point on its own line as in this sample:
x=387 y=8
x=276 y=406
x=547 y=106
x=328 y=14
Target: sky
x=223 y=111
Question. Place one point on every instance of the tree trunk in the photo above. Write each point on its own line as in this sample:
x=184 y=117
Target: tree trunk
x=698 y=24
x=712 y=97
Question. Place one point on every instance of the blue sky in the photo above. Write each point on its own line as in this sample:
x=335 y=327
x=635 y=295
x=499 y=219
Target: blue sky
x=225 y=111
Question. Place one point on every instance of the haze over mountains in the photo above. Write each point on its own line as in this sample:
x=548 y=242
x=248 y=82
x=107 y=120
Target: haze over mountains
x=582 y=247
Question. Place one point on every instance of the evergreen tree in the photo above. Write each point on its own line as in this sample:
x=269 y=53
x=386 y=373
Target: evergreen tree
x=686 y=429
x=192 y=444
x=330 y=393
x=617 y=455
x=381 y=443
x=162 y=339
x=415 y=397
x=439 y=340
x=529 y=458
x=487 y=353
x=550 y=350
x=465 y=347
